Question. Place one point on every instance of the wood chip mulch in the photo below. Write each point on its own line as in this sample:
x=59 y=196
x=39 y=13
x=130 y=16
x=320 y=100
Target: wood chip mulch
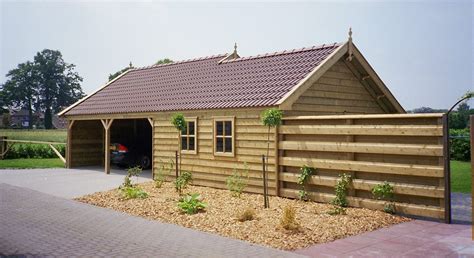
x=220 y=217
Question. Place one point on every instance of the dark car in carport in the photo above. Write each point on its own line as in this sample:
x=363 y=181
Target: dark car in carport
x=130 y=155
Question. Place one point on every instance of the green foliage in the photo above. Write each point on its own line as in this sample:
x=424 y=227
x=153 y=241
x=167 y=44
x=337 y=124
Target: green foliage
x=127 y=182
x=461 y=177
x=31 y=163
x=159 y=176
x=164 y=61
x=337 y=210
x=460 y=148
x=191 y=203
x=182 y=181
x=288 y=220
x=238 y=181
x=247 y=215
x=272 y=117
x=116 y=74
x=459 y=119
x=306 y=173
x=179 y=122
x=385 y=192
x=33 y=151
x=342 y=186
x=130 y=192
x=133 y=171
x=6 y=120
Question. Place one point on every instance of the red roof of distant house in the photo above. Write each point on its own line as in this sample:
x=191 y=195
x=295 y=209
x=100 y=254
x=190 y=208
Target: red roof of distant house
x=206 y=83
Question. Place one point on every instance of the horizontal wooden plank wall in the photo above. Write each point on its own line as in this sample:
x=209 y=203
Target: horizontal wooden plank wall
x=87 y=143
x=402 y=149
x=209 y=169
x=338 y=91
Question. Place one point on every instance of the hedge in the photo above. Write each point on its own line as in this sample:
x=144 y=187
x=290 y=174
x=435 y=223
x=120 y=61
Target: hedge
x=460 y=144
x=36 y=151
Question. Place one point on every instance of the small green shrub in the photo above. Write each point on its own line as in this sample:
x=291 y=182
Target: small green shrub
x=247 y=215
x=337 y=210
x=131 y=192
x=127 y=182
x=288 y=220
x=182 y=181
x=385 y=192
x=306 y=173
x=159 y=176
x=36 y=151
x=341 y=190
x=191 y=203
x=460 y=148
x=133 y=171
x=179 y=122
x=238 y=181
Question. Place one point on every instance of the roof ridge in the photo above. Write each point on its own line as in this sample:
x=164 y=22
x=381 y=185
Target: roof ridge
x=180 y=62
x=284 y=52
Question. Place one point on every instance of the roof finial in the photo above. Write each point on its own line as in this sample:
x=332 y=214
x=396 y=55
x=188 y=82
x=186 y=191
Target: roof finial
x=130 y=65
x=235 y=50
x=349 y=45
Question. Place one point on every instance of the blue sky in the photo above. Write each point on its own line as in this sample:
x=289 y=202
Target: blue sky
x=423 y=51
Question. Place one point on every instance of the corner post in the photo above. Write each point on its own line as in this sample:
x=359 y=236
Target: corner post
x=107 y=123
x=70 y=123
x=447 y=171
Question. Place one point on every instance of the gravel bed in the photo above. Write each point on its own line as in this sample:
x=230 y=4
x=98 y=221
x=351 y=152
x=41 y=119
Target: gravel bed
x=220 y=217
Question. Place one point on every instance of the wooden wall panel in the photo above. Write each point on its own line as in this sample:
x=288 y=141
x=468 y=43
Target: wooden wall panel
x=212 y=170
x=409 y=155
x=87 y=143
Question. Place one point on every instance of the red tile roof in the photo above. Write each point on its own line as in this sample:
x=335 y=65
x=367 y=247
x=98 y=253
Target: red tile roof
x=204 y=83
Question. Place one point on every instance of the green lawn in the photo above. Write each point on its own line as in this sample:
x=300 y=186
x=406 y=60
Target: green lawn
x=31 y=163
x=461 y=177
x=54 y=135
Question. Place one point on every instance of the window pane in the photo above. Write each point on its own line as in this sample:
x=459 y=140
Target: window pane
x=219 y=127
x=184 y=143
x=228 y=144
x=219 y=145
x=191 y=143
x=184 y=131
x=228 y=128
x=191 y=128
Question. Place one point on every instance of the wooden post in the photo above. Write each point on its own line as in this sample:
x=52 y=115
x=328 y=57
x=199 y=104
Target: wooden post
x=472 y=166
x=447 y=171
x=150 y=120
x=277 y=167
x=265 y=198
x=107 y=123
x=3 y=146
x=176 y=164
x=69 y=144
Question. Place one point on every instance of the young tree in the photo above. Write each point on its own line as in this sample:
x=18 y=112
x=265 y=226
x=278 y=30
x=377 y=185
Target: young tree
x=116 y=74
x=179 y=123
x=270 y=118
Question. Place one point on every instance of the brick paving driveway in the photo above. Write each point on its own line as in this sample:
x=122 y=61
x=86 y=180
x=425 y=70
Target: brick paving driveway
x=38 y=224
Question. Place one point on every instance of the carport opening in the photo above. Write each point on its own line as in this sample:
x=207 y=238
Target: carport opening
x=131 y=143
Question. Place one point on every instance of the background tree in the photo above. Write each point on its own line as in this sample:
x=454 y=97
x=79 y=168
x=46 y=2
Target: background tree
x=47 y=84
x=116 y=74
x=21 y=89
x=164 y=61
x=59 y=84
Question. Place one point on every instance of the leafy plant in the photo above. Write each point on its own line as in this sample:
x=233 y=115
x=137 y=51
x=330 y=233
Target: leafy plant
x=341 y=190
x=182 y=181
x=288 y=220
x=337 y=210
x=247 y=215
x=127 y=182
x=306 y=173
x=131 y=192
x=385 y=192
x=159 y=176
x=179 y=122
x=237 y=182
x=191 y=203
x=460 y=148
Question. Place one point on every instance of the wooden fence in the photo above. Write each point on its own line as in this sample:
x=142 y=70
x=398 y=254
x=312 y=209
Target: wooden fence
x=405 y=150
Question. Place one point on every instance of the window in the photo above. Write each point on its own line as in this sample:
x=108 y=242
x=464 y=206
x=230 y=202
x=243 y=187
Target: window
x=189 y=136
x=224 y=136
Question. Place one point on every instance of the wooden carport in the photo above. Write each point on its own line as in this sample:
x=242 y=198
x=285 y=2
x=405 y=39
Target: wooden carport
x=84 y=136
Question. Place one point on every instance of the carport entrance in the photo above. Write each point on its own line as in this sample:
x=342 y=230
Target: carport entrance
x=90 y=143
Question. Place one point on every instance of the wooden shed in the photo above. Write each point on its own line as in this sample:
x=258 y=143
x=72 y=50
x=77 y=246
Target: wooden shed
x=222 y=98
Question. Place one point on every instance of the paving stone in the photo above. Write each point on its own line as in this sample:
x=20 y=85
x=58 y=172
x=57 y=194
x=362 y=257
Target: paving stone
x=37 y=224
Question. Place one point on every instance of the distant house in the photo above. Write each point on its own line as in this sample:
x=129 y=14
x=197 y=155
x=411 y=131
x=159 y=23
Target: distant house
x=20 y=119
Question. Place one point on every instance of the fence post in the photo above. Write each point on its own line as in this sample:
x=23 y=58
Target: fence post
x=447 y=171
x=3 y=146
x=472 y=163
